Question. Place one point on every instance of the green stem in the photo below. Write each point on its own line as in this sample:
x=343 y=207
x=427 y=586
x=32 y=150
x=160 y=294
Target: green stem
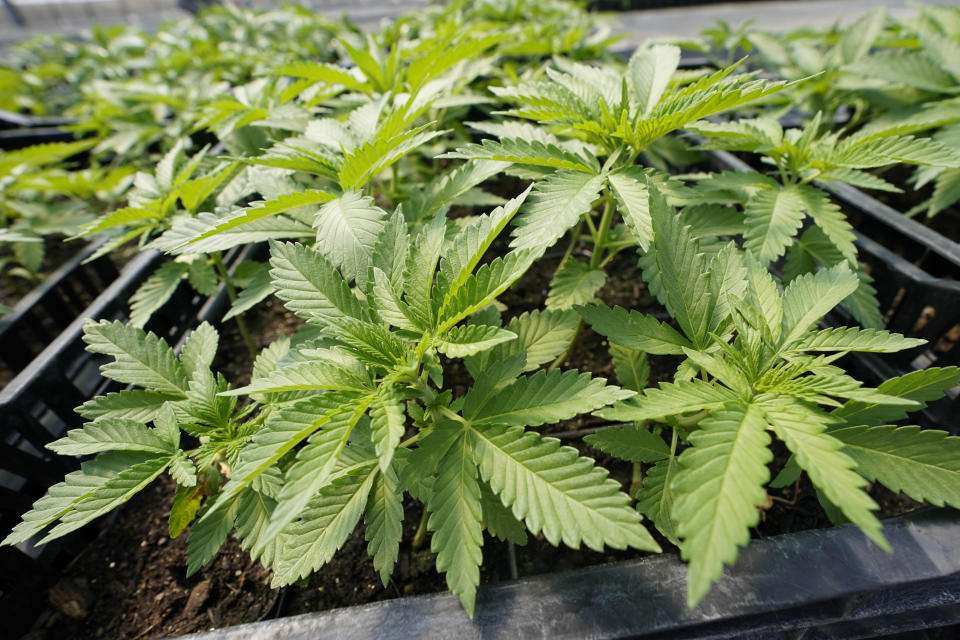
x=574 y=239
x=636 y=480
x=566 y=352
x=232 y=295
x=600 y=240
x=421 y=535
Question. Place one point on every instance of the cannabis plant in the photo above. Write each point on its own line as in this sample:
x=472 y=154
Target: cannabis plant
x=775 y=207
x=355 y=414
x=607 y=120
x=755 y=365
x=43 y=195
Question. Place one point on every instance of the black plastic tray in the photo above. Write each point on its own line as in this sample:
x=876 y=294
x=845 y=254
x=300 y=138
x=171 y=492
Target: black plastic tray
x=38 y=404
x=831 y=583
x=50 y=307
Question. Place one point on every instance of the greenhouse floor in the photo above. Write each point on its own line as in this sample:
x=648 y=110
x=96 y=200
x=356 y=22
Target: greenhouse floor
x=76 y=16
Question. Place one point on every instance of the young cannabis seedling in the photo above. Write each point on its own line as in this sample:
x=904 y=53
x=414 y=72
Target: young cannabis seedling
x=774 y=210
x=174 y=394
x=755 y=365
x=356 y=415
x=608 y=119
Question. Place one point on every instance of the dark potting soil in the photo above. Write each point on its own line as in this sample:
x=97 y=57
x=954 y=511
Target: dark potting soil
x=131 y=581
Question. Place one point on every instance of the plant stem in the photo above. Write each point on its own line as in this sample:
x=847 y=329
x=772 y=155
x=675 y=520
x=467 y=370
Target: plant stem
x=232 y=295
x=421 y=535
x=603 y=228
x=566 y=352
x=574 y=239
x=636 y=480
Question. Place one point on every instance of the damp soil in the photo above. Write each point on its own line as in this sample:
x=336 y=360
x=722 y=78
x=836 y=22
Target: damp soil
x=131 y=581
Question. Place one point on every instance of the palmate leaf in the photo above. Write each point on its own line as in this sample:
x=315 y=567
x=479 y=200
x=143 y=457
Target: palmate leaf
x=384 y=522
x=310 y=285
x=483 y=287
x=631 y=366
x=155 y=291
x=468 y=247
x=809 y=297
x=555 y=491
x=467 y=340
x=656 y=497
x=63 y=496
x=455 y=519
x=634 y=330
x=674 y=270
x=259 y=211
x=720 y=484
x=541 y=336
x=109 y=495
x=180 y=238
x=141 y=358
x=528 y=152
x=112 y=434
x=921 y=386
x=852 y=339
x=315 y=462
x=284 y=430
x=387 y=422
x=540 y=398
x=556 y=205
x=804 y=430
x=575 y=283
x=134 y=404
x=330 y=518
x=347 y=231
x=773 y=218
x=671 y=398
x=633 y=202
x=366 y=161
x=650 y=71
x=630 y=443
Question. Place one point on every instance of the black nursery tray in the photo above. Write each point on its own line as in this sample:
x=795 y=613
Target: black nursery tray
x=830 y=583
x=49 y=308
x=916 y=273
x=37 y=407
x=38 y=404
